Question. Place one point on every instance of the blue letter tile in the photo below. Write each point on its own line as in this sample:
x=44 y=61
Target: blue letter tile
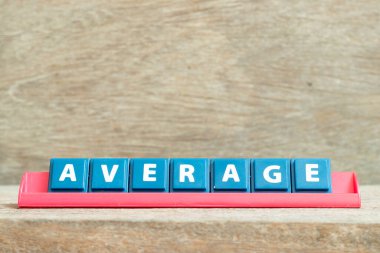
x=150 y=174
x=311 y=175
x=231 y=175
x=190 y=174
x=109 y=174
x=271 y=174
x=68 y=175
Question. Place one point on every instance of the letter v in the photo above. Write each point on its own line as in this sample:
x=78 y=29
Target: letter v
x=108 y=177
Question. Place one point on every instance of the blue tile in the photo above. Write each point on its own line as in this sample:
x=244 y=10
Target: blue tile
x=150 y=174
x=311 y=175
x=271 y=174
x=190 y=174
x=109 y=174
x=230 y=175
x=68 y=174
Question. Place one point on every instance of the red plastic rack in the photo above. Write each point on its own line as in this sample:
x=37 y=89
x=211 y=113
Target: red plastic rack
x=33 y=192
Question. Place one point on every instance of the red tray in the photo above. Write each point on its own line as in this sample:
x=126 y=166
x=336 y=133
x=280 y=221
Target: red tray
x=33 y=192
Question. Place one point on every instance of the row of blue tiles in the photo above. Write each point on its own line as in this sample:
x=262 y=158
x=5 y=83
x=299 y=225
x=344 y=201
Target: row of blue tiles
x=190 y=174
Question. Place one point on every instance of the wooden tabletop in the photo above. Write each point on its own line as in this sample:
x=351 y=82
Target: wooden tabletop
x=191 y=230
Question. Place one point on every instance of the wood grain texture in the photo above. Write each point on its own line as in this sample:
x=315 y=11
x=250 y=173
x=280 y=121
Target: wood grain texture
x=190 y=230
x=189 y=79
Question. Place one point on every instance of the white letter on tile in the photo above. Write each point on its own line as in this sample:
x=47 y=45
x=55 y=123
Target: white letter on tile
x=148 y=172
x=231 y=173
x=310 y=173
x=186 y=170
x=108 y=177
x=69 y=172
x=277 y=175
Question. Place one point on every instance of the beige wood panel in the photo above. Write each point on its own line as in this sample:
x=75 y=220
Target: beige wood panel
x=190 y=230
x=189 y=79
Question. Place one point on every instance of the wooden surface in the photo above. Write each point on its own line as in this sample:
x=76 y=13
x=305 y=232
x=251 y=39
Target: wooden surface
x=190 y=230
x=220 y=78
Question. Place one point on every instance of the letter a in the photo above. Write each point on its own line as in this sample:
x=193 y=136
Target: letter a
x=231 y=173
x=69 y=172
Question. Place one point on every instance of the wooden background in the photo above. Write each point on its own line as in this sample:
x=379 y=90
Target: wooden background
x=189 y=78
